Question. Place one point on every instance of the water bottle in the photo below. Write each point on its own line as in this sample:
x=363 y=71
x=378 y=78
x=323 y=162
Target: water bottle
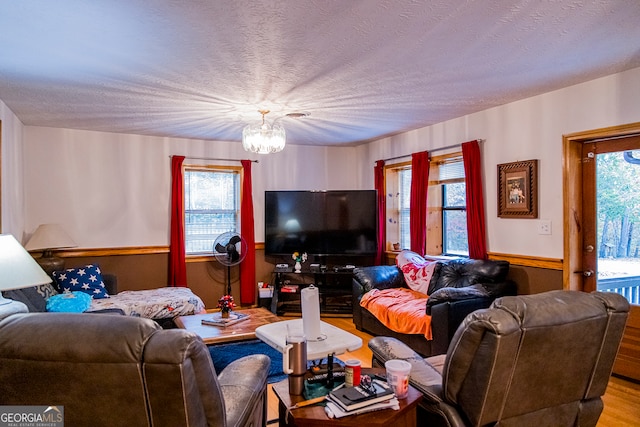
x=294 y=361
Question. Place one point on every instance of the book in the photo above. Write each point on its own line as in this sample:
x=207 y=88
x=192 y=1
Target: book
x=333 y=410
x=352 y=398
x=216 y=319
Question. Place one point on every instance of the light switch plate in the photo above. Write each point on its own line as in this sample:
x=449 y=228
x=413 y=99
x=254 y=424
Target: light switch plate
x=544 y=226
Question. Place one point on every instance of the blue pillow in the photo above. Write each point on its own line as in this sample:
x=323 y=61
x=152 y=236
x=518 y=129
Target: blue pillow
x=85 y=279
x=70 y=302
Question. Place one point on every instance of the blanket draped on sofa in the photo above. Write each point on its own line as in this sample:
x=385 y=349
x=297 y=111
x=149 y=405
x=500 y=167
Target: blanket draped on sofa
x=399 y=309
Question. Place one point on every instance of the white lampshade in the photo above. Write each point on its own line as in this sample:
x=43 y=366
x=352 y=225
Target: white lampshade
x=262 y=138
x=18 y=269
x=49 y=236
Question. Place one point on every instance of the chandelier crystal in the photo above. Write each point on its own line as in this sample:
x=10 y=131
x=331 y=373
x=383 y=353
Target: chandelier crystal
x=263 y=138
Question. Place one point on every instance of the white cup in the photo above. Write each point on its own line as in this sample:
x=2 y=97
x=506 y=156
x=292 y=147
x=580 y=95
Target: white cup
x=398 y=376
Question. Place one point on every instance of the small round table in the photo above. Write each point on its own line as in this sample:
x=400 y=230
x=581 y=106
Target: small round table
x=314 y=415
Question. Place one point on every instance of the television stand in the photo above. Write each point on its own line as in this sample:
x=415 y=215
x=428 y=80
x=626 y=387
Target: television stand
x=334 y=289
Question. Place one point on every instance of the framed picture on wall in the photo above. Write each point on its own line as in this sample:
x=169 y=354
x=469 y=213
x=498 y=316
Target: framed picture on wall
x=518 y=189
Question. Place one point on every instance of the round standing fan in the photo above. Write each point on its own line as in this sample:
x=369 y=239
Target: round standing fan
x=229 y=249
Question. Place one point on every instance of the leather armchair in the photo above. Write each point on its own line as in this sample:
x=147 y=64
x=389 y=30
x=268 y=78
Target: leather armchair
x=457 y=288
x=533 y=360
x=120 y=370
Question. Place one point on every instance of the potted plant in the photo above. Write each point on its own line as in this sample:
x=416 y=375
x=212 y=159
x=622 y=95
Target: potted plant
x=226 y=304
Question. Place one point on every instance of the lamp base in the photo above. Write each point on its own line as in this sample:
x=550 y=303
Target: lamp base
x=9 y=307
x=50 y=263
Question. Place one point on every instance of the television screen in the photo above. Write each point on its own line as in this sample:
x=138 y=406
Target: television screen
x=321 y=222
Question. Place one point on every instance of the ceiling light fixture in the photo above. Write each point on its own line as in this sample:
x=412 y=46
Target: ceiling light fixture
x=263 y=138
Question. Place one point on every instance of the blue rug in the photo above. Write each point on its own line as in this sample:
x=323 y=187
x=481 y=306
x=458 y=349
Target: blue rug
x=223 y=354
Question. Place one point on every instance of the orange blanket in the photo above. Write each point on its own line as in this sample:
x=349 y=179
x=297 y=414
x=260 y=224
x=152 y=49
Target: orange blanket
x=399 y=309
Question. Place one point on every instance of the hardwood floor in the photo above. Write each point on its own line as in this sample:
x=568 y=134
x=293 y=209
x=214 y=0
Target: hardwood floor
x=621 y=400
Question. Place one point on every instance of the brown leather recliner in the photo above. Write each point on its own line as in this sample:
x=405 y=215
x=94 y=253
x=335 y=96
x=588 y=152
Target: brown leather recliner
x=534 y=360
x=119 y=370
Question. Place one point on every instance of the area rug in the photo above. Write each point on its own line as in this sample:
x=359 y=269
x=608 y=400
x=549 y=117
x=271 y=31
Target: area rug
x=223 y=354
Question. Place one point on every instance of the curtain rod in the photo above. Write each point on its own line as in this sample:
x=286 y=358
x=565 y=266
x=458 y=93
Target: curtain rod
x=218 y=159
x=430 y=151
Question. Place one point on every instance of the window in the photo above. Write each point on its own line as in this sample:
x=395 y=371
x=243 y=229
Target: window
x=454 y=220
x=211 y=206
x=404 y=200
x=447 y=217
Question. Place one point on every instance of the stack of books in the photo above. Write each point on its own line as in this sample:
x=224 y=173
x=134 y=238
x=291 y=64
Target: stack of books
x=216 y=319
x=357 y=400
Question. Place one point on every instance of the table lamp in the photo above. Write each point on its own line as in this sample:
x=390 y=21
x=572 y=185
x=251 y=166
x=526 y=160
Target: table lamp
x=48 y=237
x=18 y=269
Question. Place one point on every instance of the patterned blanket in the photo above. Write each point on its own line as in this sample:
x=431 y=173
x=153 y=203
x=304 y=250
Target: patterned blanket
x=399 y=309
x=161 y=303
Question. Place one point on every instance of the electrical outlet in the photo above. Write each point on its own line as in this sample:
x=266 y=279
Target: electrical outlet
x=544 y=226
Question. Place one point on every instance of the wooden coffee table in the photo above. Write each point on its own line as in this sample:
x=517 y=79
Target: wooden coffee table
x=241 y=331
x=315 y=415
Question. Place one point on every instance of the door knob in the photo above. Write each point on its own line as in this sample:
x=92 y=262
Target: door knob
x=587 y=273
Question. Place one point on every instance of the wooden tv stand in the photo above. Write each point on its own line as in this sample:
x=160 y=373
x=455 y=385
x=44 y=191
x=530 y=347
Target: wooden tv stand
x=334 y=288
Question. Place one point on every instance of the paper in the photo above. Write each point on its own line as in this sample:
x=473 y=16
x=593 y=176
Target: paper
x=310 y=301
x=334 y=411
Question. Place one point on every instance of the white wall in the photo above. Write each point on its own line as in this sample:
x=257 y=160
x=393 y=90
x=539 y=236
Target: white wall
x=113 y=190
x=523 y=130
x=12 y=191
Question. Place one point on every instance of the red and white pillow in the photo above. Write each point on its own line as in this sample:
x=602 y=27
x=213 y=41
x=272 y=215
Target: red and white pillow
x=417 y=270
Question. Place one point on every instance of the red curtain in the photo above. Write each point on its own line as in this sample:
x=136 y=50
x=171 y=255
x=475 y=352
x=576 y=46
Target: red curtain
x=248 y=282
x=475 y=200
x=418 y=201
x=378 y=176
x=177 y=263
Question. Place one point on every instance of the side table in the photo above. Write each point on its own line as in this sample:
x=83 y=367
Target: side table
x=314 y=415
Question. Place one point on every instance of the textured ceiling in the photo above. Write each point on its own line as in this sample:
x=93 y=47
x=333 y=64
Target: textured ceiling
x=362 y=69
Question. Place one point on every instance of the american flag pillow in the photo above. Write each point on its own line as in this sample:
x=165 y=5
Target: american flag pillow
x=87 y=279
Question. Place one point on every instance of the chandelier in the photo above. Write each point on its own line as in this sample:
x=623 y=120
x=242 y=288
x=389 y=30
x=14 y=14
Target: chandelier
x=262 y=138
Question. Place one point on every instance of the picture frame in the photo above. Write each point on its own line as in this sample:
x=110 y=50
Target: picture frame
x=518 y=189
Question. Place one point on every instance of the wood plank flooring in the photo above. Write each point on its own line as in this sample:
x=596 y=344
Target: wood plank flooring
x=621 y=400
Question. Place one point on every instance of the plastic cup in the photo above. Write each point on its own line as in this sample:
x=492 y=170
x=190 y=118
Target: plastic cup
x=398 y=376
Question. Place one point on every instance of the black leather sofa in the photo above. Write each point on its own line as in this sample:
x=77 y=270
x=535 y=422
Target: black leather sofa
x=457 y=287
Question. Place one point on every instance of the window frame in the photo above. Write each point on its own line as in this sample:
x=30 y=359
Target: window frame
x=435 y=202
x=237 y=171
x=446 y=209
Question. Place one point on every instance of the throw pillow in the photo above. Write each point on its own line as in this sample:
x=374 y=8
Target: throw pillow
x=47 y=290
x=70 y=302
x=417 y=270
x=87 y=279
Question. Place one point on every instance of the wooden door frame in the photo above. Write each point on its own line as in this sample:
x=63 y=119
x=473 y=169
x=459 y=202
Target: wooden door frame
x=628 y=360
x=572 y=198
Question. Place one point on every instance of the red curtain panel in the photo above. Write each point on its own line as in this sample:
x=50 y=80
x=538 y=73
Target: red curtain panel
x=248 y=282
x=418 y=201
x=476 y=233
x=177 y=263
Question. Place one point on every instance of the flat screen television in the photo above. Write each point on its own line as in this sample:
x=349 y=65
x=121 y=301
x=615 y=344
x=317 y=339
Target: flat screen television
x=321 y=222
